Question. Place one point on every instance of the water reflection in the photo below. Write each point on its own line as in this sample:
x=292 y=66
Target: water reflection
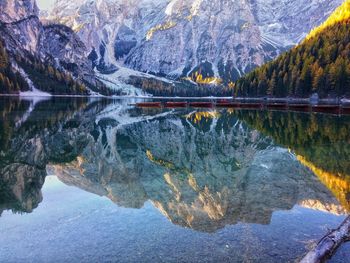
x=201 y=169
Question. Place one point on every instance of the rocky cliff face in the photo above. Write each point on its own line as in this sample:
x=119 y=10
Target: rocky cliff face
x=20 y=26
x=14 y=11
x=58 y=42
x=23 y=33
x=217 y=39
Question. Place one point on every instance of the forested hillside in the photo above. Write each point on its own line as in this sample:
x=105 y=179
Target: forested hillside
x=44 y=77
x=321 y=63
x=10 y=82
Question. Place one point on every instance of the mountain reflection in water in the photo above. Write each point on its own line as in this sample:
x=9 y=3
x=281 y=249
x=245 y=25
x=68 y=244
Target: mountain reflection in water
x=201 y=169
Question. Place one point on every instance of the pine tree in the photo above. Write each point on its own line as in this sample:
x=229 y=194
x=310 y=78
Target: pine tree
x=306 y=79
x=2 y=82
x=4 y=60
x=51 y=71
x=58 y=75
x=272 y=85
x=339 y=76
x=7 y=84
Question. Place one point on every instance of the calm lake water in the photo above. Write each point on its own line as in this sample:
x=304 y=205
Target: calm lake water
x=102 y=181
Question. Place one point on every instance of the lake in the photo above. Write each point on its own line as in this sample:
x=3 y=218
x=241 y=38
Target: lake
x=94 y=180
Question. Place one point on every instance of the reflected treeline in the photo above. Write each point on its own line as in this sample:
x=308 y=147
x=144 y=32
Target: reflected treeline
x=338 y=185
x=10 y=110
x=29 y=118
x=201 y=169
x=323 y=140
x=321 y=143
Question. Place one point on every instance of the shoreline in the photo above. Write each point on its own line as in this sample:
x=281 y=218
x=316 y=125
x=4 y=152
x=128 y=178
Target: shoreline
x=332 y=101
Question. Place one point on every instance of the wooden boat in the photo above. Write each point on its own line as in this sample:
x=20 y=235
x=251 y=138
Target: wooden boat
x=149 y=105
x=345 y=109
x=299 y=107
x=326 y=108
x=228 y=105
x=182 y=104
x=201 y=104
x=277 y=106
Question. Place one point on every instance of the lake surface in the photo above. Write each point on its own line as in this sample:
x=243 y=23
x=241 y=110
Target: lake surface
x=102 y=181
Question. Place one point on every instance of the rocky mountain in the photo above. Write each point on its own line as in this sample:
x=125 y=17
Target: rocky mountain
x=20 y=25
x=31 y=48
x=204 y=41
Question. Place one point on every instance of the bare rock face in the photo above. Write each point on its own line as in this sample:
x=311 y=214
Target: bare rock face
x=101 y=24
x=220 y=38
x=20 y=25
x=59 y=44
x=14 y=10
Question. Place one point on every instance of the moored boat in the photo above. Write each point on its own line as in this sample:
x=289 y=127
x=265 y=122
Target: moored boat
x=282 y=106
x=228 y=105
x=327 y=108
x=299 y=107
x=201 y=104
x=181 y=104
x=149 y=105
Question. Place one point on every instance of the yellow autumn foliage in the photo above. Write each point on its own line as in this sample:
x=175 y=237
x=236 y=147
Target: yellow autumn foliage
x=199 y=79
x=342 y=13
x=338 y=184
x=197 y=117
x=161 y=27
